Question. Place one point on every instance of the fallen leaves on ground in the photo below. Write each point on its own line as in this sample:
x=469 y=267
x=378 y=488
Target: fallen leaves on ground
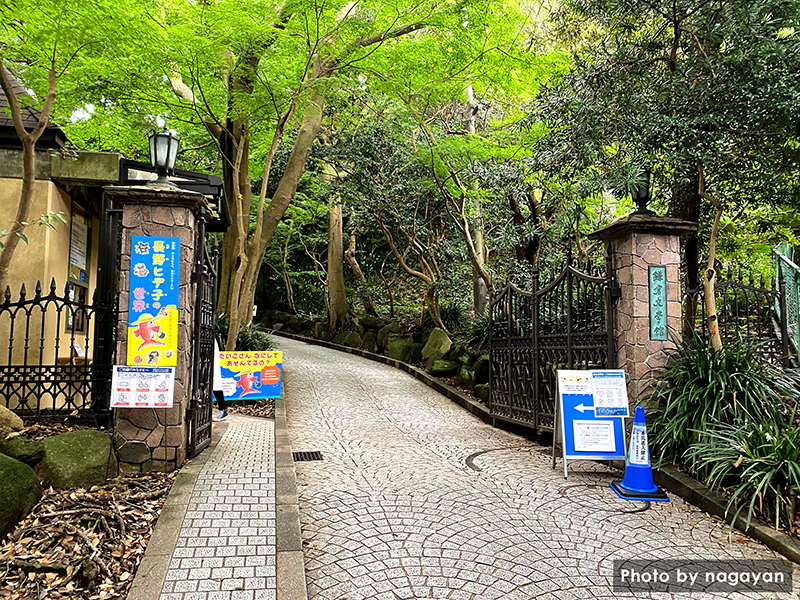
x=83 y=544
x=262 y=408
x=39 y=431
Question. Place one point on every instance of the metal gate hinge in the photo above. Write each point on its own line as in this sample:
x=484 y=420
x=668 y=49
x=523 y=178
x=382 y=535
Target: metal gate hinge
x=616 y=292
x=190 y=414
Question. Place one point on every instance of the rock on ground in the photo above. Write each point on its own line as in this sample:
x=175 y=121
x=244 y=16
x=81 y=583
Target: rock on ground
x=437 y=346
x=19 y=492
x=24 y=450
x=9 y=422
x=78 y=459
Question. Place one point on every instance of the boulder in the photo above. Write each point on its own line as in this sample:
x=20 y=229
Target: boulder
x=444 y=368
x=19 y=492
x=437 y=346
x=24 y=450
x=78 y=459
x=403 y=348
x=307 y=333
x=9 y=422
x=297 y=324
x=386 y=331
x=282 y=317
x=348 y=338
x=370 y=322
x=458 y=352
x=320 y=329
x=482 y=391
x=465 y=378
x=482 y=368
x=360 y=329
x=276 y=326
x=369 y=341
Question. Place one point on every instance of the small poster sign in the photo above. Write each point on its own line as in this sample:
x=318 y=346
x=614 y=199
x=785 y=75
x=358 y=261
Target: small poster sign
x=142 y=387
x=610 y=393
x=251 y=375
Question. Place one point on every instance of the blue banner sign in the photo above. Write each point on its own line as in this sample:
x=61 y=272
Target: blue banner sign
x=153 y=301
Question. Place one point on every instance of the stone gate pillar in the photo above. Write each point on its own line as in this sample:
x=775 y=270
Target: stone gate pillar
x=647 y=318
x=155 y=439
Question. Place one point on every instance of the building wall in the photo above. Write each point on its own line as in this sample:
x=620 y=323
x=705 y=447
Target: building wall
x=45 y=258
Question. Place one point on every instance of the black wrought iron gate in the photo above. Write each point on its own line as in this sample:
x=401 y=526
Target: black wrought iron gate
x=562 y=323
x=199 y=413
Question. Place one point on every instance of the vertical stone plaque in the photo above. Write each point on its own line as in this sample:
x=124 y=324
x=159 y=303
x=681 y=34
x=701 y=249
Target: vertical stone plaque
x=657 y=284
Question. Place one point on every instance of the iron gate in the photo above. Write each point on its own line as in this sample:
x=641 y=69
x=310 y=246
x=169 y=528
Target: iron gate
x=562 y=323
x=199 y=413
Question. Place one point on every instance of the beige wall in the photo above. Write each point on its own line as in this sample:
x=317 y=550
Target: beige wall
x=44 y=258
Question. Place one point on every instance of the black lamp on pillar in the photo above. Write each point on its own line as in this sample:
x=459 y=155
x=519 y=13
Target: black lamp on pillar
x=642 y=195
x=163 y=152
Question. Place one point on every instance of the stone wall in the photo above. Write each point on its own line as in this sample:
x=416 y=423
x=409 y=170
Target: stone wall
x=156 y=439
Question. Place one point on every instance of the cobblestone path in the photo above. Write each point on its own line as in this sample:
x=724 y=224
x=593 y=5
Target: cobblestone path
x=394 y=512
x=226 y=546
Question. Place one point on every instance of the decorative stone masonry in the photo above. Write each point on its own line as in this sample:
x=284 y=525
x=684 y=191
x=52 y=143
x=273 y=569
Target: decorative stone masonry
x=634 y=244
x=151 y=439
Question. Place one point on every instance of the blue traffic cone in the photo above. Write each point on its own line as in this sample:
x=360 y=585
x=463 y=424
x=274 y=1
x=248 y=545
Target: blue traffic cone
x=638 y=481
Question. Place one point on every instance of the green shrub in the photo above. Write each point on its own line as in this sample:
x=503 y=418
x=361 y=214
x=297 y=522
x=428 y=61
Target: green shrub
x=250 y=339
x=452 y=314
x=704 y=388
x=758 y=462
x=476 y=333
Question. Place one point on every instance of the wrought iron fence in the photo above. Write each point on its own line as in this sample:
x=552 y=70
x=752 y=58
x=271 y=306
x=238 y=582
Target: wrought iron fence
x=563 y=322
x=748 y=308
x=60 y=354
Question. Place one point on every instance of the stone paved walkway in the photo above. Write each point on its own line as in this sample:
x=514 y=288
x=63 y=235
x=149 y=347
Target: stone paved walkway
x=226 y=546
x=394 y=511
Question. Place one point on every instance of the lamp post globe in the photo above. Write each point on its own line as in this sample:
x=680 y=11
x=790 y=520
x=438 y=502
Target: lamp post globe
x=641 y=197
x=163 y=152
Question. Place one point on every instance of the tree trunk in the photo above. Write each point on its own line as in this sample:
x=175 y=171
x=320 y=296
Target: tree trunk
x=285 y=271
x=23 y=209
x=239 y=258
x=236 y=176
x=479 y=294
x=432 y=304
x=28 y=140
x=688 y=201
x=338 y=311
x=711 y=275
x=295 y=167
x=350 y=256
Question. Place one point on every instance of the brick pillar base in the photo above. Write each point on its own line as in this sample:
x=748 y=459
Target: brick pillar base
x=633 y=244
x=155 y=439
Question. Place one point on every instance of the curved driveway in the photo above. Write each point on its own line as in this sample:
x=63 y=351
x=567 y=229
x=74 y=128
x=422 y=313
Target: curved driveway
x=395 y=512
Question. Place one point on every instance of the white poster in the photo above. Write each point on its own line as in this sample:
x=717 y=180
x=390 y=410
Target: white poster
x=574 y=382
x=594 y=436
x=610 y=393
x=142 y=387
x=78 y=243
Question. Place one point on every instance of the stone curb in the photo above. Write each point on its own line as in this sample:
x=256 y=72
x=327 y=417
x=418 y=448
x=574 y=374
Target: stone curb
x=290 y=567
x=672 y=479
x=705 y=499
x=152 y=571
